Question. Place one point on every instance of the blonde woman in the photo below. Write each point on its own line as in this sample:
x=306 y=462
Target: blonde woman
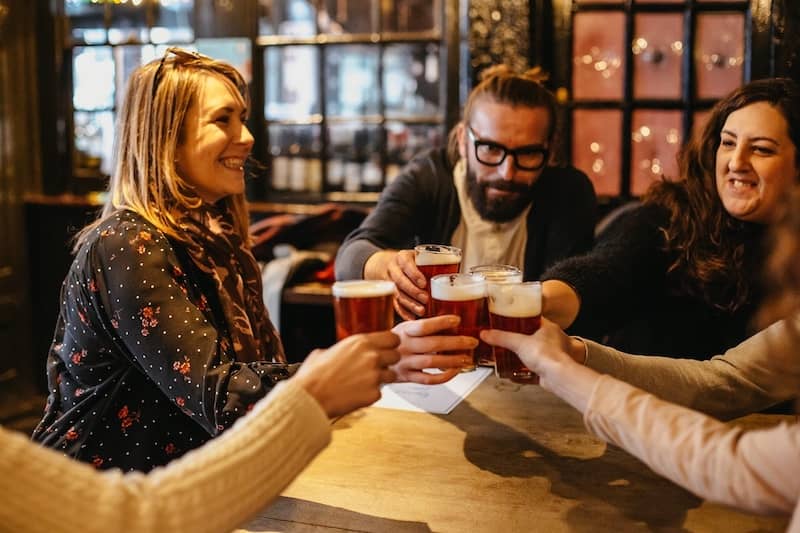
x=163 y=340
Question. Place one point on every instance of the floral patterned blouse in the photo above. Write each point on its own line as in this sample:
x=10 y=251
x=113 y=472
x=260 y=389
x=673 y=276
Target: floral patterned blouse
x=142 y=368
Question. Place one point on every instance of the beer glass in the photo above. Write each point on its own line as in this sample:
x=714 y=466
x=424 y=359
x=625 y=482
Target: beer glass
x=514 y=307
x=362 y=306
x=463 y=295
x=435 y=259
x=494 y=274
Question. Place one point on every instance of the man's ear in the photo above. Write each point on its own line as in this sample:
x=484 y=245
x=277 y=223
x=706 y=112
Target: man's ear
x=462 y=132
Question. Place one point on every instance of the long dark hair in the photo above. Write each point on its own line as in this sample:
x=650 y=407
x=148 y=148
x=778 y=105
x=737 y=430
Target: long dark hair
x=716 y=254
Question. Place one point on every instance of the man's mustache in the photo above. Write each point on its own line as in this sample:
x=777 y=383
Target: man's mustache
x=507 y=186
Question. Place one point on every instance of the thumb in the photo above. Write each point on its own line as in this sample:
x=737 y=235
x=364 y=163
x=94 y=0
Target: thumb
x=504 y=339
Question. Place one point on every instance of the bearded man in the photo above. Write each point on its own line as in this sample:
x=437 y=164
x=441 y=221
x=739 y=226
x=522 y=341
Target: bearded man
x=495 y=192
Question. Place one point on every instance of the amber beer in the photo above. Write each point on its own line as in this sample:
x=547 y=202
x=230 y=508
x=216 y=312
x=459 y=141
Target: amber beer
x=514 y=307
x=494 y=273
x=463 y=295
x=433 y=260
x=362 y=306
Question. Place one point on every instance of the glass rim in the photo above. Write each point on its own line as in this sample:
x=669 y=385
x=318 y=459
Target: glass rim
x=362 y=288
x=437 y=249
x=479 y=278
x=499 y=267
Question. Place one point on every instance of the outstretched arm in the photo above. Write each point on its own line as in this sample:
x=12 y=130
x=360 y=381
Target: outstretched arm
x=753 y=470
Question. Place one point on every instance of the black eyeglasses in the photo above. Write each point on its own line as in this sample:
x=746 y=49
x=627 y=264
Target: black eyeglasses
x=531 y=157
x=180 y=54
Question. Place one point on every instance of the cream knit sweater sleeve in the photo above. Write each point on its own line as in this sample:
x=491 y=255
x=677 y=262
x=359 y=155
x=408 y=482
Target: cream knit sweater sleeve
x=759 y=372
x=214 y=488
x=754 y=470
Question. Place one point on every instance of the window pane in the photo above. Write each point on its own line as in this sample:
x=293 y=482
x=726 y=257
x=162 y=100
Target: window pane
x=235 y=51
x=596 y=148
x=354 y=160
x=699 y=120
x=292 y=82
x=93 y=78
x=128 y=24
x=86 y=21
x=599 y=61
x=657 y=52
x=719 y=53
x=404 y=141
x=295 y=155
x=351 y=78
x=347 y=16
x=126 y=59
x=173 y=21
x=94 y=139
x=411 y=15
x=411 y=79
x=287 y=17
x=655 y=140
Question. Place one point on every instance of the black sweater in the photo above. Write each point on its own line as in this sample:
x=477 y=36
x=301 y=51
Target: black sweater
x=630 y=302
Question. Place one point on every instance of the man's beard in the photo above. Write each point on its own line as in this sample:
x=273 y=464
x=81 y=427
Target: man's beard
x=498 y=209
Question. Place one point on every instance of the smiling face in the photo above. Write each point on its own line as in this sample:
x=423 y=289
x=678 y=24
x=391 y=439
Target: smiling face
x=756 y=162
x=500 y=193
x=215 y=141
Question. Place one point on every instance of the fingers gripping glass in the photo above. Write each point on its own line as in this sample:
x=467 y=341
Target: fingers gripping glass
x=181 y=56
x=531 y=157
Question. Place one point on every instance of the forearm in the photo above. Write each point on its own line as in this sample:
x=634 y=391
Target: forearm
x=753 y=470
x=761 y=371
x=352 y=258
x=213 y=488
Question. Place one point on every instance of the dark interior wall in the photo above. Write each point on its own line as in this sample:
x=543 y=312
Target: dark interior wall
x=19 y=169
x=786 y=38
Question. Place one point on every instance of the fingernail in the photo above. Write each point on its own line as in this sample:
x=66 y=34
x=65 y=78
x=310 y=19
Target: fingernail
x=474 y=342
x=454 y=320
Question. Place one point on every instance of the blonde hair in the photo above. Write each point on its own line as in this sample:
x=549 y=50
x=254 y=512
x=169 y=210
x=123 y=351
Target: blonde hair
x=149 y=129
x=501 y=84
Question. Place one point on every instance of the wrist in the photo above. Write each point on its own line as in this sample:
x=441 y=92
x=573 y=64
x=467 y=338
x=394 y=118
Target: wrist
x=375 y=267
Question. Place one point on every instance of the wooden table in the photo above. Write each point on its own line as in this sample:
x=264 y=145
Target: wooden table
x=509 y=458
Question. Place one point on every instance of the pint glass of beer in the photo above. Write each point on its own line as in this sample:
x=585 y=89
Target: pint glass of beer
x=463 y=295
x=514 y=307
x=493 y=274
x=362 y=306
x=435 y=259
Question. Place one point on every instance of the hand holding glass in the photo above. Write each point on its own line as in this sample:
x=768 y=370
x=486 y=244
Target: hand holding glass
x=515 y=307
x=463 y=295
x=494 y=274
x=435 y=259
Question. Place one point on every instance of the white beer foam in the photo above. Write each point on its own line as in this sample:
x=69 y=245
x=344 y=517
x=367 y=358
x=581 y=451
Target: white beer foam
x=362 y=288
x=435 y=258
x=516 y=300
x=443 y=288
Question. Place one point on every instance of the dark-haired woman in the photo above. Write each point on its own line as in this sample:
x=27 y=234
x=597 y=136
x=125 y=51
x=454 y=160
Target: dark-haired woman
x=678 y=275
